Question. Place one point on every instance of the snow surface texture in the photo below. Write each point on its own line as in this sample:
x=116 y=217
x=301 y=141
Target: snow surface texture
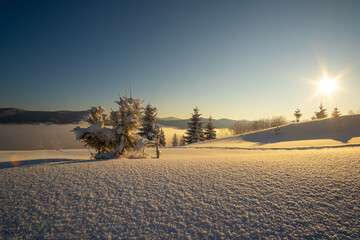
x=187 y=193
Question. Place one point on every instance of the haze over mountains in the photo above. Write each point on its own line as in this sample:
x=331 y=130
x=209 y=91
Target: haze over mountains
x=19 y=116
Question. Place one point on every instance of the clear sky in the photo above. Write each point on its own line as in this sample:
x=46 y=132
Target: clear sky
x=231 y=59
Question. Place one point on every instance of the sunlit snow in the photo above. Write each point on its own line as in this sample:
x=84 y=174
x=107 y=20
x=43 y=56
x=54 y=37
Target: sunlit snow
x=206 y=190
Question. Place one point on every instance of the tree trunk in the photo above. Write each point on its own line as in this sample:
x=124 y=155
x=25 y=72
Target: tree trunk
x=157 y=148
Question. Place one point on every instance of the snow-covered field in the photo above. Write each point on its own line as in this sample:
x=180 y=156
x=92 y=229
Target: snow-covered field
x=301 y=183
x=187 y=193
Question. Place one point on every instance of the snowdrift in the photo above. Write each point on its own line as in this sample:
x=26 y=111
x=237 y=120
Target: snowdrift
x=330 y=132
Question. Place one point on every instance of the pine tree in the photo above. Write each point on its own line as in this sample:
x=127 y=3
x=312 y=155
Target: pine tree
x=322 y=113
x=96 y=136
x=195 y=132
x=126 y=122
x=148 y=123
x=297 y=115
x=162 y=140
x=174 y=141
x=209 y=132
x=336 y=113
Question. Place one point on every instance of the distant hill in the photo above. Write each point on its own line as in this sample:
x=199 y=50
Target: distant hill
x=15 y=115
x=5 y=112
x=182 y=123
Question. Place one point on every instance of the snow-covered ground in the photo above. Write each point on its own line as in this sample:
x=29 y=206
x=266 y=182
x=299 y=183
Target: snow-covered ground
x=332 y=132
x=187 y=193
x=301 y=183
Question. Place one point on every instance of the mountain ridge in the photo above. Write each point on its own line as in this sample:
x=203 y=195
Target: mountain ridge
x=19 y=116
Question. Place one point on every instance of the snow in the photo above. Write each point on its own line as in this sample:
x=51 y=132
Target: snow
x=333 y=132
x=187 y=193
x=294 y=185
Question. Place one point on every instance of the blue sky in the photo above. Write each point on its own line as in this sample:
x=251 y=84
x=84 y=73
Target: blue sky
x=231 y=59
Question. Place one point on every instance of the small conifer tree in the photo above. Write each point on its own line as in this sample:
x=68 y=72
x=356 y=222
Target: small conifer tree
x=297 y=115
x=96 y=136
x=195 y=132
x=126 y=122
x=209 y=132
x=162 y=140
x=124 y=134
x=148 y=123
x=174 y=141
x=322 y=113
x=336 y=113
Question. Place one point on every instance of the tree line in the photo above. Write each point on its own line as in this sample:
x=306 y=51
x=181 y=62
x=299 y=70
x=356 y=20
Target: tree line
x=241 y=127
x=322 y=113
x=132 y=128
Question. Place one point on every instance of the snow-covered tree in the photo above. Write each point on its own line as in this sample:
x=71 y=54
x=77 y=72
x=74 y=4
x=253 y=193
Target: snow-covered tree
x=195 y=132
x=126 y=123
x=336 y=113
x=322 y=113
x=174 y=140
x=96 y=136
x=162 y=140
x=148 y=123
x=124 y=135
x=209 y=132
x=297 y=115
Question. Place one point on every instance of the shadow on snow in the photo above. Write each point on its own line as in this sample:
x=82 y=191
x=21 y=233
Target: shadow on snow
x=11 y=164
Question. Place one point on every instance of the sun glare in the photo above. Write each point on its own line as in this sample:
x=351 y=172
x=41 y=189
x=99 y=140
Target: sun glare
x=327 y=86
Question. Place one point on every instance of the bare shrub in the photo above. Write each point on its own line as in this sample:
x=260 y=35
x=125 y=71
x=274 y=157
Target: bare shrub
x=241 y=127
x=224 y=133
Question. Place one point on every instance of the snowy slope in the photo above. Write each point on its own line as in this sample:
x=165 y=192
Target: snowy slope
x=187 y=193
x=332 y=132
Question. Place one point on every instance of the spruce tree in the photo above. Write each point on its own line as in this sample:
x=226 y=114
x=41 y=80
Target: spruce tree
x=174 y=141
x=322 y=113
x=148 y=123
x=336 y=113
x=162 y=140
x=126 y=123
x=195 y=132
x=297 y=115
x=209 y=132
x=124 y=134
x=96 y=136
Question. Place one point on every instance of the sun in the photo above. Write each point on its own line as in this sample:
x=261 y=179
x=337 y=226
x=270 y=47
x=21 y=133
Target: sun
x=327 y=86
